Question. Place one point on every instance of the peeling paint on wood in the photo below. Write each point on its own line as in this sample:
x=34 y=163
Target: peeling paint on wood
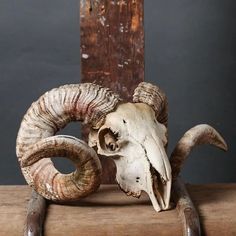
x=113 y=37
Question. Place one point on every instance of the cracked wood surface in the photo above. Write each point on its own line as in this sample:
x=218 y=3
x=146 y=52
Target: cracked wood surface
x=112 y=51
x=111 y=212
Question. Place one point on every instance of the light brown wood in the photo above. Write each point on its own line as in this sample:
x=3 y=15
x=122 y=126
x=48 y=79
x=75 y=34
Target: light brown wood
x=111 y=212
x=216 y=205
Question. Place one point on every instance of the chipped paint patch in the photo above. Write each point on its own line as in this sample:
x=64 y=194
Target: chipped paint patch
x=85 y=56
x=102 y=20
x=121 y=3
x=120 y=65
x=82 y=3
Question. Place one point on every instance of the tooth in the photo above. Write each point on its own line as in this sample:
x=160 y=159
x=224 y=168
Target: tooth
x=163 y=180
x=129 y=193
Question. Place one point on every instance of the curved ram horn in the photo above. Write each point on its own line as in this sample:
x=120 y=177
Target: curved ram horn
x=87 y=163
x=154 y=97
x=200 y=134
x=36 y=141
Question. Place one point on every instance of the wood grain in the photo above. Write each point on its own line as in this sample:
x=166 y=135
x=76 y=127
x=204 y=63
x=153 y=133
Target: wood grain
x=111 y=212
x=112 y=51
x=112 y=44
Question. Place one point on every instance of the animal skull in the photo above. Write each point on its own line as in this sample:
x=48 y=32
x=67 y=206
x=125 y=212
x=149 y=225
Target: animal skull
x=133 y=134
x=136 y=141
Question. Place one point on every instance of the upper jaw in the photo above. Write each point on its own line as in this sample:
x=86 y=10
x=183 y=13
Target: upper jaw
x=160 y=192
x=138 y=175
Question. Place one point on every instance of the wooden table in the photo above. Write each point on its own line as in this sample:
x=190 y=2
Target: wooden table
x=111 y=212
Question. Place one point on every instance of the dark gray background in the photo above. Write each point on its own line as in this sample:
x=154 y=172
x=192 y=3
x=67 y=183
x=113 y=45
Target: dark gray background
x=190 y=53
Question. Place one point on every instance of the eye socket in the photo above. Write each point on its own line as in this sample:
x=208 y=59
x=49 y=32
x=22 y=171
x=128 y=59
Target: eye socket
x=108 y=140
x=111 y=146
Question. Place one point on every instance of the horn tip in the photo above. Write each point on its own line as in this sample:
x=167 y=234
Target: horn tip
x=223 y=145
x=217 y=139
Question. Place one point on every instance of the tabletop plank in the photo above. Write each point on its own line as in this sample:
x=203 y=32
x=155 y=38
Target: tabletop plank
x=111 y=212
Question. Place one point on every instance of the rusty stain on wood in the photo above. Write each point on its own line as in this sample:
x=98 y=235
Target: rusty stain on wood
x=112 y=51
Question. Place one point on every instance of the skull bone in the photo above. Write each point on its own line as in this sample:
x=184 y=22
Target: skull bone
x=136 y=141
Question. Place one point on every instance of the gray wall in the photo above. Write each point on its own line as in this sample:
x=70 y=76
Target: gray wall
x=190 y=53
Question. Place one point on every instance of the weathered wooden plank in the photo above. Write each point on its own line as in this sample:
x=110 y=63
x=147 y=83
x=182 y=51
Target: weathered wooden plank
x=112 y=51
x=111 y=212
x=13 y=209
x=112 y=44
x=215 y=204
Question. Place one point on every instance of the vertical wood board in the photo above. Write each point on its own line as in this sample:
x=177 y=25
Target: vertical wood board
x=112 y=44
x=112 y=51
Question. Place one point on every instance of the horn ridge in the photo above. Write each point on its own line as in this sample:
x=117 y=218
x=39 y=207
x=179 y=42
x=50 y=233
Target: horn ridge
x=57 y=186
x=51 y=112
x=153 y=96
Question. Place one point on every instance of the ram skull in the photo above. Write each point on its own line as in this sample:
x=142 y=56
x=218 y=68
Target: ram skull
x=134 y=135
x=136 y=141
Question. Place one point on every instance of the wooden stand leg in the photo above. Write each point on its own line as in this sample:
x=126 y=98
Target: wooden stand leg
x=35 y=215
x=187 y=211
